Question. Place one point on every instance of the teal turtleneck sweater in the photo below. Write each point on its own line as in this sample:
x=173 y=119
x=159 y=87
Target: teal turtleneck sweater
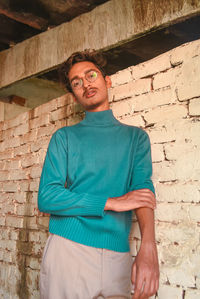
x=86 y=164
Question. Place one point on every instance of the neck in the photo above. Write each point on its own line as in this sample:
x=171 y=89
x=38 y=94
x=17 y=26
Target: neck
x=99 y=118
x=102 y=107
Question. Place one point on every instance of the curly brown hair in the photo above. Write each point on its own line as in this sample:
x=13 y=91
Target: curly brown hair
x=87 y=55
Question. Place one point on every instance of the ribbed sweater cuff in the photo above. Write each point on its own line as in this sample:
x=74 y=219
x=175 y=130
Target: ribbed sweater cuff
x=95 y=205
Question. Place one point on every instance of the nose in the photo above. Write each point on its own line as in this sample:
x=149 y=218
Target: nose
x=85 y=83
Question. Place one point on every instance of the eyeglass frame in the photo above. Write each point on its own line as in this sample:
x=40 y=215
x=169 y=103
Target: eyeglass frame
x=81 y=79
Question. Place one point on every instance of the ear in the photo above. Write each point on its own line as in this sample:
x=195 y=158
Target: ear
x=108 y=81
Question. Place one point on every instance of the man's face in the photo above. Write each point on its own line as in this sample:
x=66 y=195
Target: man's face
x=93 y=96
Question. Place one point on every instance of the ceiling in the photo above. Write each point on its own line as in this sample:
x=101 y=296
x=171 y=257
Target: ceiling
x=21 y=19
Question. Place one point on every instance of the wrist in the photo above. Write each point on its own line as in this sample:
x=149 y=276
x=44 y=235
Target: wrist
x=108 y=205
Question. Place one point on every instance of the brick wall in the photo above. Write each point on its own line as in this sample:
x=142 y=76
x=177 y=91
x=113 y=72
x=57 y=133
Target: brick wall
x=163 y=97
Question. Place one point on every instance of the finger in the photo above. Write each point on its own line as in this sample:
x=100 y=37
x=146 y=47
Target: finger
x=146 y=292
x=133 y=276
x=139 y=285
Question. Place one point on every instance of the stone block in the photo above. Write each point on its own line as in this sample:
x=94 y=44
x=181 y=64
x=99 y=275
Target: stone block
x=194 y=212
x=31 y=136
x=164 y=171
x=7 y=134
x=121 y=77
x=21 y=129
x=153 y=99
x=169 y=112
x=45 y=131
x=191 y=163
x=166 y=212
x=161 y=133
x=29 y=160
x=59 y=114
x=12 y=142
x=135 y=120
x=166 y=78
x=184 y=52
x=194 y=107
x=64 y=100
x=13 y=164
x=34 y=198
x=34 y=294
x=2 y=146
x=32 y=279
x=14 y=221
x=130 y=89
x=121 y=108
x=188 y=91
x=25 y=209
x=180 y=276
x=20 y=119
x=45 y=108
x=38 y=236
x=22 y=150
x=4 y=197
x=14 y=234
x=10 y=187
x=8 y=154
x=21 y=174
x=175 y=150
x=24 y=186
x=4 y=175
x=9 y=256
x=2 y=165
x=187 y=131
x=40 y=121
x=35 y=172
x=192 y=294
x=33 y=263
x=157 y=153
x=8 y=208
x=63 y=122
x=188 y=82
x=153 y=66
x=41 y=156
x=178 y=192
x=167 y=292
x=43 y=222
x=181 y=234
x=31 y=222
x=41 y=143
x=34 y=185
x=2 y=220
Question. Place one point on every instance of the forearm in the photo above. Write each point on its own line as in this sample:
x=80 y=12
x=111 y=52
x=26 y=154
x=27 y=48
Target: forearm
x=131 y=201
x=57 y=200
x=145 y=217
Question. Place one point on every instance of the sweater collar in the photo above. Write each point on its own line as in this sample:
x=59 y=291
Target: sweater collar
x=100 y=118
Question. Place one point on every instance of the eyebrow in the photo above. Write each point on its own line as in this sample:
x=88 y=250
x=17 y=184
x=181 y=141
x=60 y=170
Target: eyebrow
x=77 y=77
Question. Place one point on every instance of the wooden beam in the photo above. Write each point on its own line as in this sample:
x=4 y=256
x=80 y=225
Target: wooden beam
x=108 y=26
x=25 y=18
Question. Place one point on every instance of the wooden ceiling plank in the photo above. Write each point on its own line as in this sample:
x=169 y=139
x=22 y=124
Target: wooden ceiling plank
x=25 y=18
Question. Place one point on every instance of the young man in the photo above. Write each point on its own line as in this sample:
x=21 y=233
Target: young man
x=95 y=173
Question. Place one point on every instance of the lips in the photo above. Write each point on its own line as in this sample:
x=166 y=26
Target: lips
x=90 y=92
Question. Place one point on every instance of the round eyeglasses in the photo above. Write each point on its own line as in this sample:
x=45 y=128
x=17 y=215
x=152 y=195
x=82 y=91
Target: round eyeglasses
x=90 y=76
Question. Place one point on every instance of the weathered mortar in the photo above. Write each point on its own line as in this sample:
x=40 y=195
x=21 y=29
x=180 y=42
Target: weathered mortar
x=151 y=96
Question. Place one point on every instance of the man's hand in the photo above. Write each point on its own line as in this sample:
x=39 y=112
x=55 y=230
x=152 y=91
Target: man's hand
x=132 y=200
x=145 y=272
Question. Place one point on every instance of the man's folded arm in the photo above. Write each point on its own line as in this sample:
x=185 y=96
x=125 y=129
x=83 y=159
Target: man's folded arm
x=53 y=197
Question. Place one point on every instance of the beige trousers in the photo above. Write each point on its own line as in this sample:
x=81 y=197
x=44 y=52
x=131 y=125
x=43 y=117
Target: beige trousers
x=71 y=270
